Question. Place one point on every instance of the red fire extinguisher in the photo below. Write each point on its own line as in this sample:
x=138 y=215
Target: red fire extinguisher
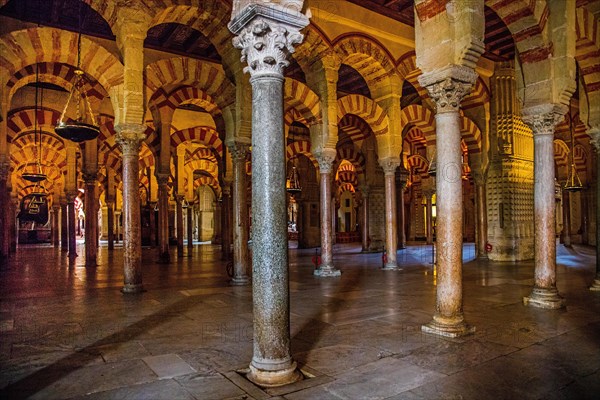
x=384 y=258
x=316 y=259
x=488 y=247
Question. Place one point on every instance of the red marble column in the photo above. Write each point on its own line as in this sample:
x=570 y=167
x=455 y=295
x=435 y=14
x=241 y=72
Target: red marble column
x=401 y=216
x=163 y=218
x=225 y=222
x=190 y=227
x=389 y=166
x=542 y=120
x=72 y=221
x=179 y=201
x=110 y=206
x=447 y=88
x=64 y=225
x=481 y=205
x=130 y=137
x=325 y=159
x=566 y=209
x=429 y=216
x=240 y=214
x=4 y=216
x=365 y=218
x=55 y=224
x=595 y=134
x=91 y=220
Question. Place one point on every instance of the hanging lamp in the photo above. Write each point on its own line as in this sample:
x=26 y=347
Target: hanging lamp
x=36 y=175
x=292 y=184
x=573 y=183
x=83 y=128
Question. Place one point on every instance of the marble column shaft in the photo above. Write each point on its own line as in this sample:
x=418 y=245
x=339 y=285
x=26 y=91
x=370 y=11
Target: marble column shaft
x=91 y=221
x=179 y=200
x=266 y=44
x=4 y=215
x=190 y=227
x=365 y=224
x=64 y=225
x=596 y=142
x=130 y=137
x=429 y=217
x=325 y=159
x=566 y=209
x=401 y=217
x=71 y=220
x=542 y=121
x=389 y=166
x=447 y=88
x=163 y=218
x=110 y=206
x=56 y=226
x=240 y=215
x=481 y=204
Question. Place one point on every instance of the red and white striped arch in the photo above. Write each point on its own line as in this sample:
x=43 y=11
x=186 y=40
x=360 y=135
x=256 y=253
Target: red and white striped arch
x=353 y=156
x=205 y=135
x=365 y=108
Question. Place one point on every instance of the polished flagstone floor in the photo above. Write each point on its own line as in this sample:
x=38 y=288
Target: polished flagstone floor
x=66 y=332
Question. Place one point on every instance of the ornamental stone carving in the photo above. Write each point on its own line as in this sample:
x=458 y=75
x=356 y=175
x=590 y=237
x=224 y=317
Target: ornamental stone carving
x=543 y=119
x=130 y=138
x=238 y=151
x=449 y=86
x=325 y=159
x=266 y=46
x=389 y=165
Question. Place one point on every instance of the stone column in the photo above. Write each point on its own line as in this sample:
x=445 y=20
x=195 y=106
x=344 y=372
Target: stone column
x=110 y=206
x=365 y=217
x=238 y=152
x=13 y=212
x=179 y=201
x=595 y=134
x=447 y=88
x=481 y=206
x=4 y=215
x=389 y=166
x=429 y=216
x=225 y=221
x=190 y=227
x=153 y=230
x=325 y=159
x=266 y=42
x=91 y=220
x=71 y=221
x=64 y=225
x=566 y=209
x=542 y=120
x=401 y=216
x=55 y=224
x=130 y=137
x=163 y=218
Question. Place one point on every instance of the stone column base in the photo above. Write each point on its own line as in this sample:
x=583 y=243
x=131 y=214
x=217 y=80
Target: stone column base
x=544 y=298
x=131 y=288
x=390 y=267
x=240 y=281
x=448 y=329
x=327 y=271
x=595 y=285
x=264 y=378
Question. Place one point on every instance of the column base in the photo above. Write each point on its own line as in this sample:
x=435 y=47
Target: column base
x=240 y=281
x=164 y=258
x=544 y=298
x=448 y=327
x=266 y=379
x=595 y=285
x=132 y=288
x=327 y=271
x=391 y=267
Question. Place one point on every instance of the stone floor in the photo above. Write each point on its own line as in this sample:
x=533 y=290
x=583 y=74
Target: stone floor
x=67 y=332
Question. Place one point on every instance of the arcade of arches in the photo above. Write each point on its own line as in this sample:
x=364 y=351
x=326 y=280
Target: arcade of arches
x=405 y=122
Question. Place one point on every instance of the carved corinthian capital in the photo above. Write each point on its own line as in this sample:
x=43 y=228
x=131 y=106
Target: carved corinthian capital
x=325 y=159
x=543 y=119
x=238 y=151
x=267 y=34
x=449 y=86
x=594 y=133
x=389 y=165
x=130 y=137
